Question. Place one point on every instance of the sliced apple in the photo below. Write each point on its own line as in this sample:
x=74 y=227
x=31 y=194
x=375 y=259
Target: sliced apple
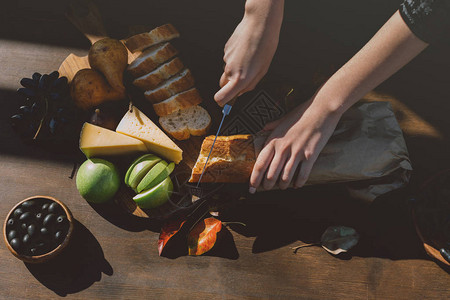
x=156 y=196
x=150 y=177
x=135 y=162
x=140 y=170
x=149 y=183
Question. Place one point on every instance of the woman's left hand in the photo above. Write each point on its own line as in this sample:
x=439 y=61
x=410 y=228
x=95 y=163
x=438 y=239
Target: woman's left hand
x=293 y=147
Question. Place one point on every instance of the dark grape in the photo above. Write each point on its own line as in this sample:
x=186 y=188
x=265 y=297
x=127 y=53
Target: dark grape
x=35 y=108
x=36 y=76
x=26 y=92
x=445 y=254
x=52 y=125
x=25 y=109
x=43 y=82
x=28 y=83
x=53 y=76
x=55 y=96
x=60 y=83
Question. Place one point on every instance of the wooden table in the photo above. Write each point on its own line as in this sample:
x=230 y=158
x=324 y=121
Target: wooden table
x=114 y=255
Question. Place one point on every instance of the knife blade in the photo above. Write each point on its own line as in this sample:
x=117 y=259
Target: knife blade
x=225 y=112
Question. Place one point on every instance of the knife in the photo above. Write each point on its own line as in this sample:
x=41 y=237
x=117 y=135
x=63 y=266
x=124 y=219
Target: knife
x=225 y=112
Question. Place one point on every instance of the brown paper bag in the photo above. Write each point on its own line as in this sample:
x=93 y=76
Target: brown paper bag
x=367 y=152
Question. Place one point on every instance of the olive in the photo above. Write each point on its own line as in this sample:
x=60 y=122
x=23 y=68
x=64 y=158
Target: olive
x=26 y=239
x=15 y=243
x=33 y=251
x=39 y=216
x=25 y=216
x=45 y=206
x=49 y=219
x=24 y=226
x=44 y=231
x=10 y=222
x=31 y=230
x=445 y=254
x=28 y=204
x=12 y=234
x=60 y=220
x=58 y=235
x=17 y=212
x=53 y=207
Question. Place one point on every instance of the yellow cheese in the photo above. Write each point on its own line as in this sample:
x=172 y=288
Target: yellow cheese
x=138 y=125
x=99 y=141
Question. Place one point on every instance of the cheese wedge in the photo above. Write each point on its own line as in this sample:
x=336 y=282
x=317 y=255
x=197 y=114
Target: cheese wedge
x=138 y=125
x=99 y=141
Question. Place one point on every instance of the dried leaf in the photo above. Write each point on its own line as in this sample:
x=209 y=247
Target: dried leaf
x=337 y=239
x=167 y=232
x=203 y=236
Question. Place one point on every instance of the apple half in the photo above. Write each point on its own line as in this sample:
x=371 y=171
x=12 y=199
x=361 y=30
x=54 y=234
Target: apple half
x=156 y=196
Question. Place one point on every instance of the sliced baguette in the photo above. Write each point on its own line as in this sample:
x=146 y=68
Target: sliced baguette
x=151 y=58
x=158 y=35
x=181 y=124
x=177 y=84
x=179 y=101
x=151 y=80
x=232 y=159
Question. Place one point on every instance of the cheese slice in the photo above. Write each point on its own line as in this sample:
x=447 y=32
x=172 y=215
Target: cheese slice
x=99 y=141
x=138 y=125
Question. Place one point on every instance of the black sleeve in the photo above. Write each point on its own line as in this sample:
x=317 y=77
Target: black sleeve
x=429 y=20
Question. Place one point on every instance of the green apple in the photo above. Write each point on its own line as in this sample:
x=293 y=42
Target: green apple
x=97 y=180
x=140 y=170
x=135 y=162
x=156 y=196
x=149 y=183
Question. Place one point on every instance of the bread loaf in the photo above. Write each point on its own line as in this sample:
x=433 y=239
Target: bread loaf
x=176 y=84
x=182 y=124
x=151 y=58
x=158 y=35
x=232 y=159
x=151 y=80
x=179 y=101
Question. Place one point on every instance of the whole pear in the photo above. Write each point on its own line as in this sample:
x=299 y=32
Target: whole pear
x=110 y=57
x=89 y=88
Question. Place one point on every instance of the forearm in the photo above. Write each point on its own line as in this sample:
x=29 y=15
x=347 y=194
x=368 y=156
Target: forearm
x=392 y=47
x=269 y=12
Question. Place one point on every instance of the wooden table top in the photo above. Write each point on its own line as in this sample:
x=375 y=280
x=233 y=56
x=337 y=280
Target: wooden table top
x=114 y=255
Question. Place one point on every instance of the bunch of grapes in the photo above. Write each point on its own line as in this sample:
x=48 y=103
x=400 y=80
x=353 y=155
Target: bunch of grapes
x=46 y=112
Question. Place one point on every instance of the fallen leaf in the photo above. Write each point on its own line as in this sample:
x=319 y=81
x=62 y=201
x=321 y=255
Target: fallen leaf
x=167 y=232
x=337 y=239
x=203 y=236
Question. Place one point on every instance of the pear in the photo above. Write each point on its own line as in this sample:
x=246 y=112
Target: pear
x=156 y=196
x=89 y=89
x=110 y=57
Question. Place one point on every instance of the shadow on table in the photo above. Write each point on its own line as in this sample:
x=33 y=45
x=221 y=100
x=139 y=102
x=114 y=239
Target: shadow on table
x=77 y=268
x=294 y=217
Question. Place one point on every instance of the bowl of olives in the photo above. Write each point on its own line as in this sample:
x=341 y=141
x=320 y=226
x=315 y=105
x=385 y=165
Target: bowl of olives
x=38 y=228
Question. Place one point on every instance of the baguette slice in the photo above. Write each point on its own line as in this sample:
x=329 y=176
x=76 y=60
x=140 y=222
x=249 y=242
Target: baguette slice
x=151 y=80
x=151 y=58
x=177 y=84
x=232 y=159
x=182 y=124
x=158 y=35
x=179 y=101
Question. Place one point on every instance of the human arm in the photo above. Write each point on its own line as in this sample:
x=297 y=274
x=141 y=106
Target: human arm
x=298 y=138
x=249 y=51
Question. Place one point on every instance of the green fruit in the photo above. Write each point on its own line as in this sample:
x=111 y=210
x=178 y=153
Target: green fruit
x=135 y=162
x=140 y=170
x=150 y=177
x=155 y=196
x=97 y=180
x=148 y=184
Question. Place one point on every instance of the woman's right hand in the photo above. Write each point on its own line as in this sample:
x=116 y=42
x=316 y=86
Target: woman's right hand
x=250 y=49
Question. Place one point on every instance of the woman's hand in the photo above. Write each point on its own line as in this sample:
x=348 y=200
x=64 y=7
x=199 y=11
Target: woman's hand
x=250 y=49
x=293 y=147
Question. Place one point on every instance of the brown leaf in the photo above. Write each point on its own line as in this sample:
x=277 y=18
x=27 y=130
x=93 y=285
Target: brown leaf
x=167 y=232
x=204 y=235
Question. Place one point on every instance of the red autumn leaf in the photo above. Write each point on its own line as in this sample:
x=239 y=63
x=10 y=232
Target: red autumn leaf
x=167 y=232
x=204 y=235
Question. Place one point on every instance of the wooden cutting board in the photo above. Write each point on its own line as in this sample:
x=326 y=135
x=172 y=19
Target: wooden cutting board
x=87 y=18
